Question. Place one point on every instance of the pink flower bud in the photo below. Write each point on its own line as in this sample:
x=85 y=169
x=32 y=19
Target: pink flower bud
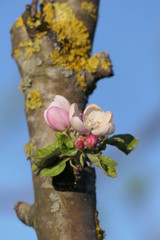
x=57 y=118
x=91 y=141
x=57 y=114
x=80 y=144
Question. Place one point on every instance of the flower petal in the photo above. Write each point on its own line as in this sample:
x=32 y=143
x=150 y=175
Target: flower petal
x=58 y=118
x=107 y=118
x=45 y=117
x=61 y=102
x=73 y=110
x=75 y=119
x=90 y=108
x=93 y=113
x=104 y=130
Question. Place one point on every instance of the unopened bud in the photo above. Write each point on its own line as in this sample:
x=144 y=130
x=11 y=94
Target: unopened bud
x=91 y=141
x=80 y=144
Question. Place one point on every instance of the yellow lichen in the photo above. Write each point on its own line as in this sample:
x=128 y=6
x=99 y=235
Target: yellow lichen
x=28 y=147
x=29 y=52
x=56 y=57
x=105 y=64
x=99 y=230
x=37 y=45
x=40 y=34
x=25 y=44
x=31 y=47
x=82 y=82
x=74 y=37
x=92 y=64
x=90 y=8
x=20 y=23
x=49 y=13
x=31 y=23
x=21 y=86
x=74 y=45
x=16 y=53
x=47 y=56
x=33 y=100
x=25 y=83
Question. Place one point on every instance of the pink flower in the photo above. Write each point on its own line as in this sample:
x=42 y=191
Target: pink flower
x=80 y=144
x=57 y=114
x=95 y=121
x=91 y=141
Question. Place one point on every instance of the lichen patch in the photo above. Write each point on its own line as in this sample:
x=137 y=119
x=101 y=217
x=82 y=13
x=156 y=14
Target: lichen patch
x=16 y=53
x=105 y=64
x=28 y=147
x=33 y=100
x=30 y=47
x=90 y=8
x=56 y=204
x=99 y=230
x=20 y=23
x=25 y=84
x=82 y=82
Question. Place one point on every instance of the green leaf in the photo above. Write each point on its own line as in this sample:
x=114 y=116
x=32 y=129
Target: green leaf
x=112 y=172
x=66 y=145
x=50 y=150
x=105 y=163
x=125 y=142
x=59 y=136
x=47 y=162
x=81 y=159
x=46 y=156
x=94 y=158
x=108 y=165
x=53 y=171
x=69 y=152
x=63 y=139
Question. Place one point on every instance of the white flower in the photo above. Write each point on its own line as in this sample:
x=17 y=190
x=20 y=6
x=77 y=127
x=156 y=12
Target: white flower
x=93 y=121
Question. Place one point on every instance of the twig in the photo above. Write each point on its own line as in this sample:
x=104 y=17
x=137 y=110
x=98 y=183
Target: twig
x=34 y=8
x=25 y=212
x=46 y=1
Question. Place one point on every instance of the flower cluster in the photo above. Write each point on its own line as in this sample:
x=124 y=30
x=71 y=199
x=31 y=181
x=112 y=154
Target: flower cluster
x=93 y=122
x=81 y=138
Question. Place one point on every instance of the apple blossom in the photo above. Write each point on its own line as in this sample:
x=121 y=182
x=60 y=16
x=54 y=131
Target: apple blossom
x=91 y=141
x=94 y=121
x=57 y=114
x=77 y=120
x=80 y=138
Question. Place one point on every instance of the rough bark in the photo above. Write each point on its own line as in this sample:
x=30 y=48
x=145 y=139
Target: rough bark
x=64 y=206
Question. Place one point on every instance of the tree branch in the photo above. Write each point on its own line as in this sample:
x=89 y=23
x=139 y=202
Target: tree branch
x=51 y=56
x=46 y=1
x=104 y=69
x=25 y=213
x=34 y=8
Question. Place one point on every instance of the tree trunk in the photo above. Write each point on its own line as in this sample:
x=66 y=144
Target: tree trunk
x=52 y=49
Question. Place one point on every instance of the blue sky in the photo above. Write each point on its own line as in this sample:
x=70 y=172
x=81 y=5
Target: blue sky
x=129 y=205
